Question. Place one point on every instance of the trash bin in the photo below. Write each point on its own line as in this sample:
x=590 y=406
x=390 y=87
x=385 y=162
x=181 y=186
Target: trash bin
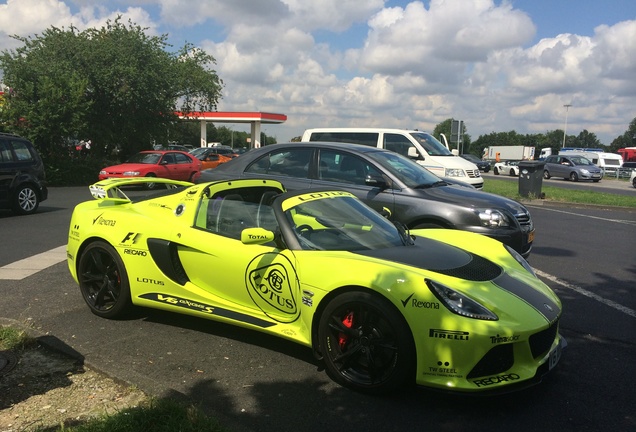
x=530 y=178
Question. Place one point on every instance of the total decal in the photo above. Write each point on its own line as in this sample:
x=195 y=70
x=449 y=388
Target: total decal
x=272 y=284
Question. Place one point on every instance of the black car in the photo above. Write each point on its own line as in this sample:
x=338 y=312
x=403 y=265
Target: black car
x=481 y=164
x=388 y=182
x=22 y=179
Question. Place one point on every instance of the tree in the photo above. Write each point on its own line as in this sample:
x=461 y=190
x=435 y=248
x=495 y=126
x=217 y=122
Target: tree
x=445 y=128
x=628 y=139
x=114 y=85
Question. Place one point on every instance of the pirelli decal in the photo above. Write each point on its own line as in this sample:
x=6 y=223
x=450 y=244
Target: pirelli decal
x=206 y=309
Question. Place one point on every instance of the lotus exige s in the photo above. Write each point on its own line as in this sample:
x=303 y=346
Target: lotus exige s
x=380 y=306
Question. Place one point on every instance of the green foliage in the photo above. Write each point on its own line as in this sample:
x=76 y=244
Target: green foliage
x=114 y=85
x=445 y=128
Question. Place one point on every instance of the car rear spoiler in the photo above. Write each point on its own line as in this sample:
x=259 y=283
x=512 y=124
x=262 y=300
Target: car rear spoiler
x=109 y=189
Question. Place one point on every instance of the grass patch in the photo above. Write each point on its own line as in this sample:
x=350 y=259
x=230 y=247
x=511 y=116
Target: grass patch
x=12 y=339
x=162 y=415
x=510 y=189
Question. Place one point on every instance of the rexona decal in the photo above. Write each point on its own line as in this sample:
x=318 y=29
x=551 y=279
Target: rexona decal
x=271 y=283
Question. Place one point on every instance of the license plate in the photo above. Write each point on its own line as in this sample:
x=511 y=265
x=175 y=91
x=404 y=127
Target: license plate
x=531 y=236
x=555 y=356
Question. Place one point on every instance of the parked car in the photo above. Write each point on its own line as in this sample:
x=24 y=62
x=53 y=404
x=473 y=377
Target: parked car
x=481 y=164
x=381 y=308
x=175 y=165
x=172 y=147
x=506 y=167
x=574 y=168
x=219 y=149
x=387 y=182
x=211 y=159
x=22 y=178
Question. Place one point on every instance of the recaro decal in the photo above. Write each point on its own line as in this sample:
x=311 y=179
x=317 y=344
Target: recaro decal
x=272 y=287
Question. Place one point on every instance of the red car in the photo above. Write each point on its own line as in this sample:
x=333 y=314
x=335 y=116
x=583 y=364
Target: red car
x=176 y=165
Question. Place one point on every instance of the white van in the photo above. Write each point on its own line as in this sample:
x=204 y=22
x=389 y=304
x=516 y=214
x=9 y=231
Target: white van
x=418 y=145
x=608 y=162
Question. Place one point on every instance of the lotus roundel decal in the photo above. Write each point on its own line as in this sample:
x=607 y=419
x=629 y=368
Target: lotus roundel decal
x=271 y=283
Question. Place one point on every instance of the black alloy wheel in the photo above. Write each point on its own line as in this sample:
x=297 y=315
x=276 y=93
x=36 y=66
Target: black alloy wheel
x=366 y=344
x=103 y=281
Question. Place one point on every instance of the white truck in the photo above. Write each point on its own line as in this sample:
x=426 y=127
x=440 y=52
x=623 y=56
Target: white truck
x=508 y=153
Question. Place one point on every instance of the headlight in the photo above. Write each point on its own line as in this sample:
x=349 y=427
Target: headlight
x=585 y=172
x=520 y=260
x=102 y=172
x=492 y=218
x=455 y=172
x=460 y=304
x=131 y=173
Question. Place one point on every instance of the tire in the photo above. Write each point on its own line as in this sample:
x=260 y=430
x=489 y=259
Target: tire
x=26 y=200
x=512 y=173
x=151 y=186
x=574 y=176
x=634 y=182
x=495 y=171
x=366 y=344
x=103 y=281
x=546 y=175
x=191 y=178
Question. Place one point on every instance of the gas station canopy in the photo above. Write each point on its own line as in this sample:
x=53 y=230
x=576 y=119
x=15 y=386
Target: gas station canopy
x=255 y=119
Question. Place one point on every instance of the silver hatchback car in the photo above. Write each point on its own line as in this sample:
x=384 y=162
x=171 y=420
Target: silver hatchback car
x=574 y=168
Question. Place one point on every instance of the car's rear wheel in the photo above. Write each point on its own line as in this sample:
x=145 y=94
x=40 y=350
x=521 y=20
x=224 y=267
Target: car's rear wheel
x=25 y=200
x=191 y=178
x=103 y=281
x=546 y=175
x=574 y=176
x=151 y=186
x=366 y=344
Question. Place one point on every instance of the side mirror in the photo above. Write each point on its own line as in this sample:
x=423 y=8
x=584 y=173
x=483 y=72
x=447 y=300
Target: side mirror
x=374 y=180
x=413 y=153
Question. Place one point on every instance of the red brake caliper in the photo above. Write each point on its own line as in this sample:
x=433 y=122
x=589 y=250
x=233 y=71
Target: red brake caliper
x=347 y=321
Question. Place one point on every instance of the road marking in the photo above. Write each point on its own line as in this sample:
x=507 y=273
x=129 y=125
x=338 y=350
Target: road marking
x=626 y=222
x=619 y=307
x=28 y=266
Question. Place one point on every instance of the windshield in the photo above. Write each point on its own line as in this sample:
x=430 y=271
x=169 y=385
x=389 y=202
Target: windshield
x=338 y=221
x=145 y=158
x=430 y=144
x=406 y=170
x=580 y=160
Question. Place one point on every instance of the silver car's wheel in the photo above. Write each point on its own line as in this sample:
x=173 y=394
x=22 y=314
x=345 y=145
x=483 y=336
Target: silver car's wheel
x=574 y=176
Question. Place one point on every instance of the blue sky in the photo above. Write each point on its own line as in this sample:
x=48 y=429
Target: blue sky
x=496 y=65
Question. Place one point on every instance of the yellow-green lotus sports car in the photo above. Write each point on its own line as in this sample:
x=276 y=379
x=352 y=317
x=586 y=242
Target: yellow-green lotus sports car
x=381 y=307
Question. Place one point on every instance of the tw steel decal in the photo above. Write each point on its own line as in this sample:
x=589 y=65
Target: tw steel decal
x=272 y=288
x=205 y=309
x=443 y=369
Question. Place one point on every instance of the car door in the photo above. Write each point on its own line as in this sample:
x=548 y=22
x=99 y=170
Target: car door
x=289 y=165
x=340 y=169
x=184 y=166
x=7 y=170
x=253 y=283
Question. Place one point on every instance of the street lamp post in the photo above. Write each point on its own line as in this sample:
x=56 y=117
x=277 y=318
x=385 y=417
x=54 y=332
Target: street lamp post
x=565 y=129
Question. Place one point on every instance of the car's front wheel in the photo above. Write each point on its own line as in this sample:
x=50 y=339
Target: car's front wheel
x=366 y=344
x=546 y=175
x=512 y=173
x=151 y=186
x=25 y=200
x=574 y=176
x=103 y=281
x=495 y=171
